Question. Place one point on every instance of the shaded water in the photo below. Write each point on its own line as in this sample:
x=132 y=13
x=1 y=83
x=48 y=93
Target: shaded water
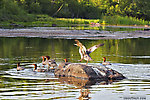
x=131 y=57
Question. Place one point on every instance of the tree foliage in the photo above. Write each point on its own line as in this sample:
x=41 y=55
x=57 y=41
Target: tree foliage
x=10 y=10
x=19 y=9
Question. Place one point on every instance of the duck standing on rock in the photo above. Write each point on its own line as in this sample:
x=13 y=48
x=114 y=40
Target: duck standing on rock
x=66 y=62
x=104 y=61
x=85 y=52
x=62 y=65
x=19 y=67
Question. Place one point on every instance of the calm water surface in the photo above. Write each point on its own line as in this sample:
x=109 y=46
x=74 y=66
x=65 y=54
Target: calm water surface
x=131 y=57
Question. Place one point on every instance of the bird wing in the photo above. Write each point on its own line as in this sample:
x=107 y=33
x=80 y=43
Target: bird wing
x=90 y=50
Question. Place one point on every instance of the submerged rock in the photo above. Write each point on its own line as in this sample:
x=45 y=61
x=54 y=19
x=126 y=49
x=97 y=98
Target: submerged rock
x=87 y=72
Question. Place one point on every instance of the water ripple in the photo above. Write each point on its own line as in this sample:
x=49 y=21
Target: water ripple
x=47 y=86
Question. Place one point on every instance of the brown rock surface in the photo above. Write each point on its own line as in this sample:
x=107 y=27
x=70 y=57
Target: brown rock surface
x=87 y=72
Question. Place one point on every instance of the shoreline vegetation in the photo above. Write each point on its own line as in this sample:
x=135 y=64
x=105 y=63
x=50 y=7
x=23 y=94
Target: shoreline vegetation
x=63 y=13
x=47 y=21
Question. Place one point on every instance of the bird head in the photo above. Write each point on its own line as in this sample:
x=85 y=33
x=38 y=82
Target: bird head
x=77 y=43
x=43 y=57
x=35 y=66
x=66 y=60
x=104 y=59
x=18 y=64
x=47 y=57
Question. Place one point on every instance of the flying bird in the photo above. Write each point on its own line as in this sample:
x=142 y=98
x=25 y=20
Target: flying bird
x=84 y=53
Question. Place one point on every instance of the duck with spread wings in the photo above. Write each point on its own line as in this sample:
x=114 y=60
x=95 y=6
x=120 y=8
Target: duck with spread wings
x=85 y=52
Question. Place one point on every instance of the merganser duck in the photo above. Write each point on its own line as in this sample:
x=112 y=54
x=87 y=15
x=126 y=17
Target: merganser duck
x=19 y=67
x=50 y=62
x=104 y=61
x=62 y=65
x=84 y=53
x=66 y=61
x=53 y=63
x=38 y=70
x=45 y=60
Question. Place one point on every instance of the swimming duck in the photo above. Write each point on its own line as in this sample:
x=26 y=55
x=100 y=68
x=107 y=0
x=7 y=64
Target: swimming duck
x=19 y=67
x=48 y=61
x=53 y=63
x=104 y=61
x=84 y=53
x=38 y=70
x=45 y=60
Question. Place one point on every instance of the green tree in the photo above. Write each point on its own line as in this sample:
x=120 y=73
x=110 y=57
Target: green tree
x=11 y=11
x=143 y=9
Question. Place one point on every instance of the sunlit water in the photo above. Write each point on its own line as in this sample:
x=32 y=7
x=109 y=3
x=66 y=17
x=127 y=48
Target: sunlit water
x=131 y=57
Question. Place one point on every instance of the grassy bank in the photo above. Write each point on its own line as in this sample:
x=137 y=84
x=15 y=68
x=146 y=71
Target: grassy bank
x=118 y=20
x=46 y=21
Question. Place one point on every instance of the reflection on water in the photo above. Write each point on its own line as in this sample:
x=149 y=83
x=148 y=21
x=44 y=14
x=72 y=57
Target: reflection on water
x=88 y=27
x=131 y=57
x=106 y=28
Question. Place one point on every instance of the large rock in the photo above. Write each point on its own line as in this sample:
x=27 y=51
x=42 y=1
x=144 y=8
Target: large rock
x=87 y=71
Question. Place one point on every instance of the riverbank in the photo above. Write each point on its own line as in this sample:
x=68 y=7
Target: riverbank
x=61 y=32
x=47 y=21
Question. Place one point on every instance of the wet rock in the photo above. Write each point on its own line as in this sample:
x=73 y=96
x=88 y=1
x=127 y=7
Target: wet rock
x=15 y=25
x=54 y=25
x=59 y=32
x=87 y=72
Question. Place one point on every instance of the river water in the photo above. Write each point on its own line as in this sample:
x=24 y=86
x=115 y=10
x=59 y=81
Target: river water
x=131 y=57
